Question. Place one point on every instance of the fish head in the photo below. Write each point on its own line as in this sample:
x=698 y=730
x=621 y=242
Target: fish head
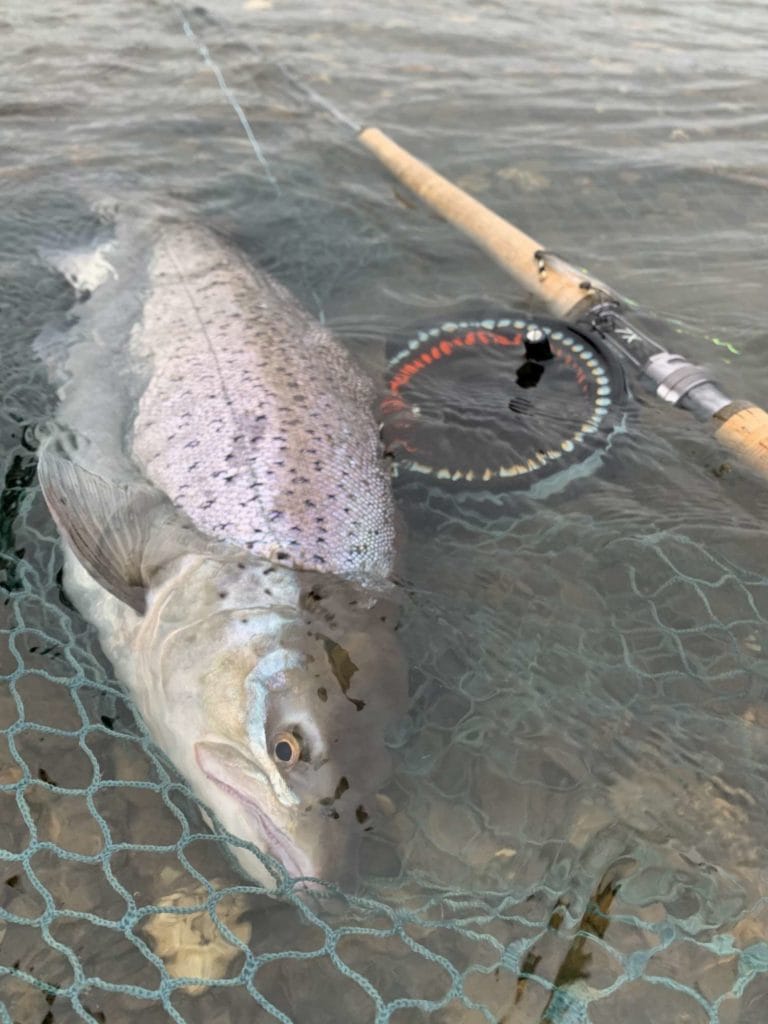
x=285 y=706
x=270 y=688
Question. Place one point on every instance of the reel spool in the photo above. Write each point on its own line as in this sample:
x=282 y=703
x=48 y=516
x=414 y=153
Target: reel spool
x=497 y=403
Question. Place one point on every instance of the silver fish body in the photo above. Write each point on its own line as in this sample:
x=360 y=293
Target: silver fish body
x=254 y=421
x=229 y=529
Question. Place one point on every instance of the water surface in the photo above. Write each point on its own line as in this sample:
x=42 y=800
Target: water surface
x=578 y=827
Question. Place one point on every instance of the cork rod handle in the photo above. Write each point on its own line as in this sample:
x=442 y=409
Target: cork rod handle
x=743 y=429
x=561 y=288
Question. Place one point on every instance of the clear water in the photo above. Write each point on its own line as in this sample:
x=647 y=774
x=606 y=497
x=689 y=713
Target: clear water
x=589 y=719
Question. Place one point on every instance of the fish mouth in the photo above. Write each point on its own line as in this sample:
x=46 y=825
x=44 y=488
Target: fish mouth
x=215 y=760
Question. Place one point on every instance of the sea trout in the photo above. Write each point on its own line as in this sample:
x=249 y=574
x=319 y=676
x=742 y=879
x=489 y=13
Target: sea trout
x=228 y=526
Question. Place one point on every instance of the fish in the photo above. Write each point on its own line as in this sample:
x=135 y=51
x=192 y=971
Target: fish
x=216 y=475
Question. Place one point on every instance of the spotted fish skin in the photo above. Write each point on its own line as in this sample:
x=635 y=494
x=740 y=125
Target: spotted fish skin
x=254 y=420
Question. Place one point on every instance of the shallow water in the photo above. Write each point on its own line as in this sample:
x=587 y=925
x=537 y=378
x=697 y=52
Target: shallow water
x=588 y=725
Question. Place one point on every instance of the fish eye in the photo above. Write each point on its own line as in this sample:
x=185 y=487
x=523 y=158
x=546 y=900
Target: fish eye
x=286 y=749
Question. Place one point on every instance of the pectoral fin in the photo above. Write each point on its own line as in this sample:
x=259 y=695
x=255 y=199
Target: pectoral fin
x=108 y=525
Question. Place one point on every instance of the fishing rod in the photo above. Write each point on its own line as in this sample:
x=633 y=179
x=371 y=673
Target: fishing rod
x=587 y=305
x=594 y=310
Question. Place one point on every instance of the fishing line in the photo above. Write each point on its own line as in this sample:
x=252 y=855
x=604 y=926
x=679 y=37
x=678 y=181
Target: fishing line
x=229 y=95
x=321 y=101
x=432 y=425
x=597 y=313
x=297 y=83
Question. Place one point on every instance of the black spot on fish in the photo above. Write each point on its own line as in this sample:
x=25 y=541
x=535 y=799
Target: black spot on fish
x=45 y=777
x=282 y=555
x=342 y=667
x=222 y=594
x=13 y=881
x=361 y=814
x=342 y=788
x=313 y=597
x=322 y=693
x=108 y=722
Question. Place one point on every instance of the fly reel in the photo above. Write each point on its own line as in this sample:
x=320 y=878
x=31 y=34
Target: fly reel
x=497 y=403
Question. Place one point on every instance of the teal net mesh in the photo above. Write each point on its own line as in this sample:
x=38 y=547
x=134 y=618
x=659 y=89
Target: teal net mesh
x=576 y=830
x=584 y=854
